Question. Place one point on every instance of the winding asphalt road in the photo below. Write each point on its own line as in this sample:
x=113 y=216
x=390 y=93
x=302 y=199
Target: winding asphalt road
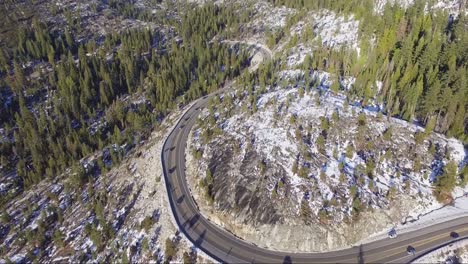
x=225 y=247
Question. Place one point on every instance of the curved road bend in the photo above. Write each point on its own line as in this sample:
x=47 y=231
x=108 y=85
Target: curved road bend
x=225 y=247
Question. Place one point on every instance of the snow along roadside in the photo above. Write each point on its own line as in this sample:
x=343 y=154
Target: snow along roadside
x=444 y=213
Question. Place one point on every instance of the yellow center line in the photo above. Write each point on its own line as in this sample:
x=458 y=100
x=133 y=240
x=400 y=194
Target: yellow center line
x=417 y=244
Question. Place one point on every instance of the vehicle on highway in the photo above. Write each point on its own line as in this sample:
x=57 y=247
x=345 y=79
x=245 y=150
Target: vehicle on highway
x=454 y=235
x=411 y=250
x=392 y=233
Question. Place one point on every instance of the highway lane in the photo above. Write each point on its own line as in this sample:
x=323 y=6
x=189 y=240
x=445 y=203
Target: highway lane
x=225 y=247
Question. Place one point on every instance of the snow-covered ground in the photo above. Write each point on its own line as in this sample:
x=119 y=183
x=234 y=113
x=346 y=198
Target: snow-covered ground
x=336 y=30
x=328 y=28
x=297 y=55
x=456 y=252
x=275 y=142
x=266 y=18
x=434 y=215
x=378 y=175
x=130 y=195
x=271 y=18
x=452 y=6
x=258 y=51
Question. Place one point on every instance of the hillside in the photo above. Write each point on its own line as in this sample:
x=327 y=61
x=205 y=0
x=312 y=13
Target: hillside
x=87 y=92
x=301 y=158
x=330 y=144
x=337 y=112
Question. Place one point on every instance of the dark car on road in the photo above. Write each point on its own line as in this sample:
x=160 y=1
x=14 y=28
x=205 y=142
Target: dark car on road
x=392 y=233
x=454 y=235
x=411 y=250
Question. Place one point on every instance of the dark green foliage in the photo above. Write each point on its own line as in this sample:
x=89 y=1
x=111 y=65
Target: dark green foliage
x=335 y=117
x=342 y=178
x=273 y=38
x=420 y=57
x=419 y=137
x=295 y=167
x=387 y=135
x=198 y=154
x=349 y=151
x=446 y=182
x=417 y=164
x=306 y=211
x=171 y=249
x=86 y=90
x=293 y=120
x=323 y=176
x=357 y=206
x=147 y=223
x=324 y=123
x=207 y=184
x=58 y=238
x=6 y=218
x=262 y=167
x=356 y=6
x=362 y=119
x=323 y=216
x=321 y=144
x=303 y=172
x=464 y=175
x=186 y=258
x=430 y=125
x=370 y=167
x=353 y=191
x=190 y=258
x=335 y=86
x=145 y=244
x=125 y=258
